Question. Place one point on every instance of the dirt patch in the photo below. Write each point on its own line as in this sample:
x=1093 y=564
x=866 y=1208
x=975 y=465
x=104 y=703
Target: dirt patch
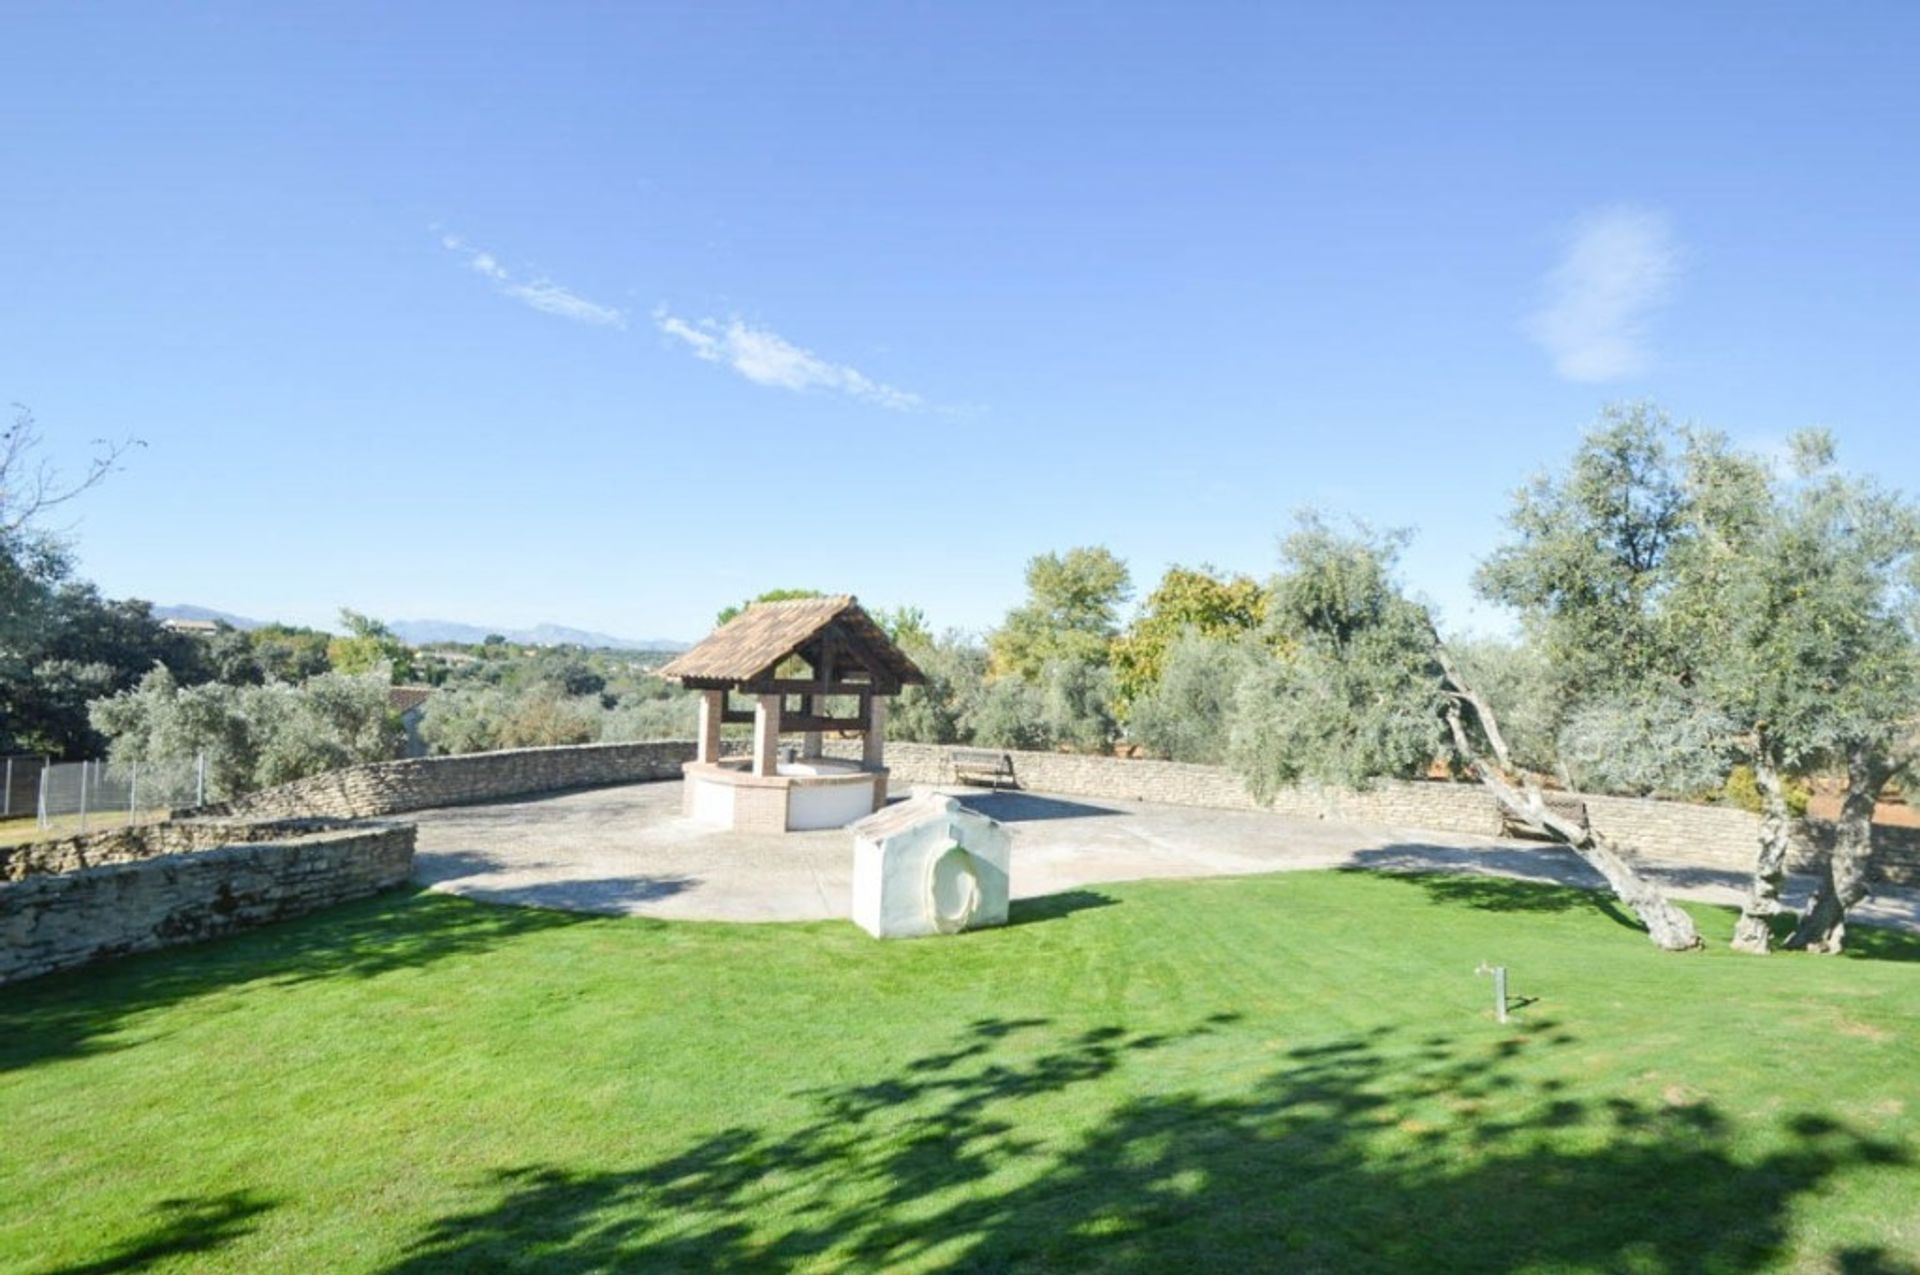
x=1864 y=1031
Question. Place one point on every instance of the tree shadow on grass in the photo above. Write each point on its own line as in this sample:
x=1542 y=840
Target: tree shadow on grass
x=183 y=1227
x=1371 y=1152
x=78 y=1012
x=1873 y=943
x=1051 y=907
x=612 y=896
x=1504 y=894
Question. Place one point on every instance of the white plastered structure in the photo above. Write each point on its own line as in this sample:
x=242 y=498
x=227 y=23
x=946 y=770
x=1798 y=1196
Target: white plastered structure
x=929 y=866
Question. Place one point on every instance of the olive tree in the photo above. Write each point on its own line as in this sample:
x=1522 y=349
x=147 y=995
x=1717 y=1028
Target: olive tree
x=938 y=711
x=1186 y=714
x=1697 y=610
x=1364 y=688
x=1799 y=592
x=251 y=736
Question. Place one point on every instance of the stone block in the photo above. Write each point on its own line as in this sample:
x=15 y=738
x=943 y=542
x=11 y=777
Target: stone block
x=929 y=866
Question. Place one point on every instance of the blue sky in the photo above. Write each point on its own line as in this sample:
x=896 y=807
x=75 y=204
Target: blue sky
x=608 y=315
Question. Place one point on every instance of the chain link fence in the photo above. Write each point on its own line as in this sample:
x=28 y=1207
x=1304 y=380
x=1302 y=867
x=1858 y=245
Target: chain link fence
x=81 y=796
x=20 y=784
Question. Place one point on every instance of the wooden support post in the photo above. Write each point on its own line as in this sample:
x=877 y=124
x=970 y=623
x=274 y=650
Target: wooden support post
x=713 y=704
x=811 y=742
x=766 y=735
x=873 y=745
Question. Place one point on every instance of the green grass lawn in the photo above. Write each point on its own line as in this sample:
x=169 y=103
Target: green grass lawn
x=1288 y=1072
x=19 y=831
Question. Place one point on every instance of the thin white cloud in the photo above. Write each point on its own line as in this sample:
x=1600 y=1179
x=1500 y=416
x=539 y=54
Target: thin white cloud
x=767 y=358
x=542 y=294
x=1618 y=268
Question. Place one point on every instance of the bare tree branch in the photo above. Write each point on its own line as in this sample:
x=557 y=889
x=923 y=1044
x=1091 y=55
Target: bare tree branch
x=30 y=487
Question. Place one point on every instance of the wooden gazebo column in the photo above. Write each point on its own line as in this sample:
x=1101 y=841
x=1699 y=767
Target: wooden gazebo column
x=713 y=705
x=766 y=735
x=873 y=744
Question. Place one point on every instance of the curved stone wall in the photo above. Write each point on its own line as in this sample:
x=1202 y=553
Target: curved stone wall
x=53 y=919
x=420 y=783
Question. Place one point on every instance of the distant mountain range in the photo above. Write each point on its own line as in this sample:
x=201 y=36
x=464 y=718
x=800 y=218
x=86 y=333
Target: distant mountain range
x=421 y=632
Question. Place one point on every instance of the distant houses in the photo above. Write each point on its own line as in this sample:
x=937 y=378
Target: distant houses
x=410 y=702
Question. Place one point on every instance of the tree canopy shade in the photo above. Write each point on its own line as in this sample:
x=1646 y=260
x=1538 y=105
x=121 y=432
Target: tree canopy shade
x=1364 y=688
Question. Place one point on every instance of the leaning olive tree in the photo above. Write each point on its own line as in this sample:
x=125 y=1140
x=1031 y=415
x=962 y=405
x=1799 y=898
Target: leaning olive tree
x=1364 y=688
x=1695 y=609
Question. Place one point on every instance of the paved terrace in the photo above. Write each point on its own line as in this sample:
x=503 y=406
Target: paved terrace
x=628 y=851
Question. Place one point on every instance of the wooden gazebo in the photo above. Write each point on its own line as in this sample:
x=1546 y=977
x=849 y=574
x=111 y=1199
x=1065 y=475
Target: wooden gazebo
x=804 y=663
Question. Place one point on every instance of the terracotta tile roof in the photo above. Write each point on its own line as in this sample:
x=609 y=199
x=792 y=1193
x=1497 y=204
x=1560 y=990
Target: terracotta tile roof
x=404 y=699
x=754 y=642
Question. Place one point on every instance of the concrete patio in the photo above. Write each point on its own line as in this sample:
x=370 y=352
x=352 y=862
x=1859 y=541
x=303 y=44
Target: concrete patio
x=629 y=851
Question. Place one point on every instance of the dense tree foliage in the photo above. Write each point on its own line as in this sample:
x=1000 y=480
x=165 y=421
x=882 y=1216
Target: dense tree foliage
x=1185 y=601
x=550 y=696
x=287 y=653
x=1072 y=613
x=1356 y=693
x=369 y=646
x=1586 y=561
x=943 y=711
x=1363 y=687
x=1187 y=712
x=61 y=643
x=251 y=736
x=1800 y=589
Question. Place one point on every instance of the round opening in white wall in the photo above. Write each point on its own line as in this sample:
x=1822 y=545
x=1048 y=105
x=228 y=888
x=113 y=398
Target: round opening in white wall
x=953 y=890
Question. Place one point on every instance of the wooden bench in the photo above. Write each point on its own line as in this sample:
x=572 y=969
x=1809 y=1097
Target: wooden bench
x=981 y=765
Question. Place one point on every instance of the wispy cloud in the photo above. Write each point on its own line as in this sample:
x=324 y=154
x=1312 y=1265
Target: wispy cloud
x=767 y=358
x=541 y=293
x=1618 y=268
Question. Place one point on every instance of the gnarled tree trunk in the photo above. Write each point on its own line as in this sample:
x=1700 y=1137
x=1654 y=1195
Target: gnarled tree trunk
x=1754 y=931
x=1843 y=873
x=1670 y=928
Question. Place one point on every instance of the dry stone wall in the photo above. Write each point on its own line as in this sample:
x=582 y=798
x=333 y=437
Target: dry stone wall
x=420 y=783
x=148 y=841
x=57 y=919
x=1670 y=831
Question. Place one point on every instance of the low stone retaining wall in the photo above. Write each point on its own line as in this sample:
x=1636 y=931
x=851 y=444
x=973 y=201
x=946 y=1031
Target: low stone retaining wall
x=1676 y=832
x=150 y=841
x=420 y=783
x=53 y=919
